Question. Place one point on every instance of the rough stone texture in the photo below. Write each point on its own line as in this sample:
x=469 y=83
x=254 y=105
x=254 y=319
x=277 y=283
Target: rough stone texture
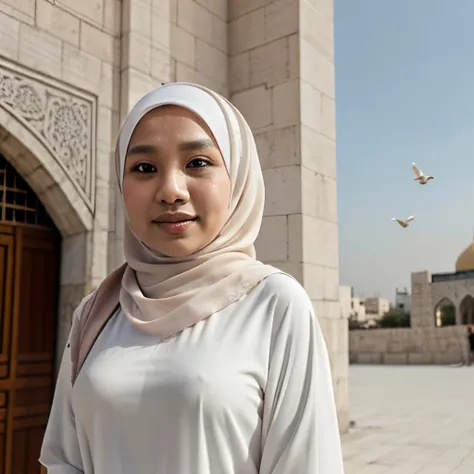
x=318 y=184
x=273 y=58
x=424 y=345
x=281 y=61
x=198 y=44
x=58 y=68
x=421 y=314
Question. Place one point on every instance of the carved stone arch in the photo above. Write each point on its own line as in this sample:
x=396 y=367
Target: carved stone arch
x=39 y=169
x=466 y=310
x=445 y=312
x=47 y=132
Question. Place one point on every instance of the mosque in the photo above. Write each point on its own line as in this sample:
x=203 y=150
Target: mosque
x=445 y=299
x=442 y=305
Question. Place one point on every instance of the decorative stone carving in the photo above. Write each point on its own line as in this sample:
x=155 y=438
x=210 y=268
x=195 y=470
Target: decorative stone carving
x=64 y=119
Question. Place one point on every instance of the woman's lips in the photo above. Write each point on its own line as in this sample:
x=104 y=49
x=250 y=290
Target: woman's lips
x=176 y=227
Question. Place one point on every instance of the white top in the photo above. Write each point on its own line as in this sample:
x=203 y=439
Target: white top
x=246 y=391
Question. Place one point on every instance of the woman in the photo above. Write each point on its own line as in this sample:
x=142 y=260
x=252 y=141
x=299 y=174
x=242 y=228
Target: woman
x=214 y=362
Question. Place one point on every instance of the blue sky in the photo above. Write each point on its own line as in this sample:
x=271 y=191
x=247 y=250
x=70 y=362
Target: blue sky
x=404 y=93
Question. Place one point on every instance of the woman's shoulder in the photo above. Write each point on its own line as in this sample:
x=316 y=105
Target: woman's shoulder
x=286 y=306
x=77 y=315
x=286 y=292
x=107 y=292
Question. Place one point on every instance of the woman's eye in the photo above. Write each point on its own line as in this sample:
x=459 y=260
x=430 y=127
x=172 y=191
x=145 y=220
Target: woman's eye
x=145 y=168
x=199 y=163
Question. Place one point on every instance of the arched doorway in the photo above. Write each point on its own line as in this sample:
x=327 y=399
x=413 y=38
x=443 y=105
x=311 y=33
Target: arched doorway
x=445 y=313
x=29 y=278
x=467 y=310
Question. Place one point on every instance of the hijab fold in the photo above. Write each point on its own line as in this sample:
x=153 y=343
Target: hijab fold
x=164 y=295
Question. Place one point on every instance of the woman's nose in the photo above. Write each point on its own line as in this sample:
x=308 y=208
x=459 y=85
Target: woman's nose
x=173 y=187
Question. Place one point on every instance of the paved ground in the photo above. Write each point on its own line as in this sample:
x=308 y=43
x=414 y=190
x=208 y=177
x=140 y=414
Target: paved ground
x=410 y=420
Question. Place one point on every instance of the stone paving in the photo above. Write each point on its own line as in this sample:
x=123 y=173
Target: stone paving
x=410 y=420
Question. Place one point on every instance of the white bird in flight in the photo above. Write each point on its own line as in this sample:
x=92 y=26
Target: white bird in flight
x=404 y=222
x=419 y=176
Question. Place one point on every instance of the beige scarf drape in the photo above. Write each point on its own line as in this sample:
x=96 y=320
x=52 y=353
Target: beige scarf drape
x=163 y=295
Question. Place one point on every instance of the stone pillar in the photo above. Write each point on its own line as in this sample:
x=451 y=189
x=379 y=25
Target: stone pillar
x=465 y=307
x=459 y=313
x=145 y=48
x=198 y=43
x=422 y=310
x=282 y=79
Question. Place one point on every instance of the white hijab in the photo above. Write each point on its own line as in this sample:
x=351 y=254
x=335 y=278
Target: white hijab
x=163 y=295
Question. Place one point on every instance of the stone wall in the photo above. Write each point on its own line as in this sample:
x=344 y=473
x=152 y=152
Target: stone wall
x=198 y=36
x=281 y=62
x=427 y=297
x=426 y=345
x=273 y=58
x=64 y=58
x=422 y=315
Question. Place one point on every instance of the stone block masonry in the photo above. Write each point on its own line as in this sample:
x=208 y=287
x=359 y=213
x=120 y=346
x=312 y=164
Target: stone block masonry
x=273 y=58
x=427 y=345
x=281 y=76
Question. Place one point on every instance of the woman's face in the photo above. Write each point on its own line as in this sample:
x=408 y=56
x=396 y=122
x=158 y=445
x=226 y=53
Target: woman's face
x=176 y=186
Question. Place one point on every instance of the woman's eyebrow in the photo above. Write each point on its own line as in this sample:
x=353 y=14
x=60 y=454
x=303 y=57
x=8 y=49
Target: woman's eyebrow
x=142 y=150
x=197 y=144
x=184 y=146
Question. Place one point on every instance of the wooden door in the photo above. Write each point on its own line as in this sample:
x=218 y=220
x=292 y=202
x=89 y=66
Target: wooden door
x=28 y=298
x=6 y=293
x=29 y=257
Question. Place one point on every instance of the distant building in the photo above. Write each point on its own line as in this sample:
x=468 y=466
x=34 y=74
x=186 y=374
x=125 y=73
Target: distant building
x=403 y=300
x=444 y=299
x=442 y=304
x=351 y=306
x=358 y=309
x=345 y=300
x=376 y=307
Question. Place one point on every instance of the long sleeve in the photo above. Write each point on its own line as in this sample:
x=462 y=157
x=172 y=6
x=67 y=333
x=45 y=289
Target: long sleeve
x=300 y=431
x=60 y=452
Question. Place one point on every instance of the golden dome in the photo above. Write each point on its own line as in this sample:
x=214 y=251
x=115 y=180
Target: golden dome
x=465 y=261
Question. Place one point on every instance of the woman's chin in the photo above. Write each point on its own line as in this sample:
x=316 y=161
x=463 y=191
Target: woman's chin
x=178 y=245
x=177 y=249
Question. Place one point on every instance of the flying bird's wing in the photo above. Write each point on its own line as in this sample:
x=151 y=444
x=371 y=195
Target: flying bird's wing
x=409 y=219
x=416 y=170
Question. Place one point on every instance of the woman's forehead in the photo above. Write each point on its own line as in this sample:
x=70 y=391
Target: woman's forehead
x=201 y=106
x=185 y=124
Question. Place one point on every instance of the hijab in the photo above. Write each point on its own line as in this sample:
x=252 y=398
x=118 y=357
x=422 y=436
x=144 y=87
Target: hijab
x=164 y=295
